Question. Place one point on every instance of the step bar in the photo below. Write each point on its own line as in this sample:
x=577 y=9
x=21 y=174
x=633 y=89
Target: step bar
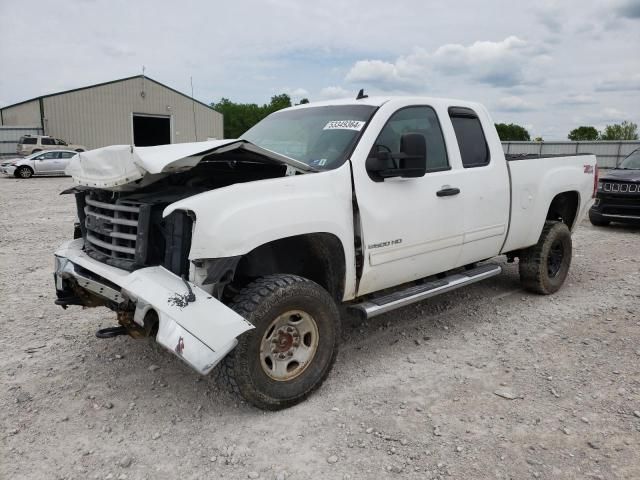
x=383 y=304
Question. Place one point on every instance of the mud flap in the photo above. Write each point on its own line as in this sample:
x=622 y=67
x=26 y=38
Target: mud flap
x=200 y=332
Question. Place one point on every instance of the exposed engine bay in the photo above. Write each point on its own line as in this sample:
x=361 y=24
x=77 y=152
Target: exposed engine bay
x=126 y=229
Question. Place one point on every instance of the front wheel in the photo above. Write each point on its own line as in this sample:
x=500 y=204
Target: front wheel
x=293 y=346
x=24 y=172
x=544 y=266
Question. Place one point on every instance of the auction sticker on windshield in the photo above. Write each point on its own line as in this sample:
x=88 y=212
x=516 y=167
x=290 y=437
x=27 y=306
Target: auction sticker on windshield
x=344 y=125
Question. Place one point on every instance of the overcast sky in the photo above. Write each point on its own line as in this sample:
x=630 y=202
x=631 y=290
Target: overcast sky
x=547 y=65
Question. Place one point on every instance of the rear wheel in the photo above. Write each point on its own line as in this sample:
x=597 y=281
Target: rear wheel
x=24 y=172
x=293 y=346
x=79 y=150
x=544 y=266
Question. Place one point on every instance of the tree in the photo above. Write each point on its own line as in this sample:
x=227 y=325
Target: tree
x=303 y=101
x=240 y=117
x=620 y=131
x=583 y=133
x=512 y=132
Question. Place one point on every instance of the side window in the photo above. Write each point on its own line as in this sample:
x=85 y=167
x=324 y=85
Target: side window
x=28 y=141
x=47 y=141
x=471 y=140
x=60 y=142
x=422 y=120
x=66 y=154
x=50 y=156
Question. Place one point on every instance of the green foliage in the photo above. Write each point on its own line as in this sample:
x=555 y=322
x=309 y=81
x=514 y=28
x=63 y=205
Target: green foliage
x=303 y=101
x=583 y=133
x=620 y=131
x=512 y=132
x=240 y=117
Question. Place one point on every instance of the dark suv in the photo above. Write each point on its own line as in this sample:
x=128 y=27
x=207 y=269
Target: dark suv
x=618 y=198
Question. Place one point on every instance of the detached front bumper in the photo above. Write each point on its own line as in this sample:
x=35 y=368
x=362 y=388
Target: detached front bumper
x=200 y=332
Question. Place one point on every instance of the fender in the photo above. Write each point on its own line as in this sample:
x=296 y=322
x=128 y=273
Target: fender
x=234 y=220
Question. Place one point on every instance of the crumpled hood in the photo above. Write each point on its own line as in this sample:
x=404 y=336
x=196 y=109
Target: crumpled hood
x=622 y=175
x=118 y=166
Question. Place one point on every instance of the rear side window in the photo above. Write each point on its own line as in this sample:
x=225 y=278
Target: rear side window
x=471 y=140
x=28 y=141
x=67 y=154
x=48 y=141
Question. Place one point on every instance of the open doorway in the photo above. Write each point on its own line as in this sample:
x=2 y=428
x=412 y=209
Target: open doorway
x=150 y=130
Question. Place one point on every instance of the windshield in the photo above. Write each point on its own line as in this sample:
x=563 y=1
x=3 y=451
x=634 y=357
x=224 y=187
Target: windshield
x=632 y=162
x=321 y=137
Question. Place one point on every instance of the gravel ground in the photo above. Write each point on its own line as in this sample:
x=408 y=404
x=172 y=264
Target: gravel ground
x=485 y=382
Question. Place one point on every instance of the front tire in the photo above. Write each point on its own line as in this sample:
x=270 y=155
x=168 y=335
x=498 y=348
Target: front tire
x=544 y=266
x=24 y=172
x=293 y=346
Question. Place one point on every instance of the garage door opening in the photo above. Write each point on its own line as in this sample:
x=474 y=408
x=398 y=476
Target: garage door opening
x=150 y=130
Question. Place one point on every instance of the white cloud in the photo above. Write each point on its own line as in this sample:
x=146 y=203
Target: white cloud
x=295 y=92
x=514 y=104
x=335 y=92
x=501 y=64
x=620 y=83
x=577 y=99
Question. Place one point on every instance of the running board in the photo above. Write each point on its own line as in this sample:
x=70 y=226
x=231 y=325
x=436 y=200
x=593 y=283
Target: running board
x=416 y=293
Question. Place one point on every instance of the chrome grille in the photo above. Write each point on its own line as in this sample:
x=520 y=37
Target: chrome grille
x=111 y=227
x=620 y=187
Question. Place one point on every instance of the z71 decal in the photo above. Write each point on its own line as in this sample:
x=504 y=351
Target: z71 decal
x=384 y=244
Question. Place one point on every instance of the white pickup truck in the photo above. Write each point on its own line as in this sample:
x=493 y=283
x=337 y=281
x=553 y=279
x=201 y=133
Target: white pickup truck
x=242 y=251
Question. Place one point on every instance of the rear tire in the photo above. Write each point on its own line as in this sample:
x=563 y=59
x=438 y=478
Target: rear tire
x=293 y=346
x=79 y=150
x=597 y=220
x=23 y=172
x=544 y=266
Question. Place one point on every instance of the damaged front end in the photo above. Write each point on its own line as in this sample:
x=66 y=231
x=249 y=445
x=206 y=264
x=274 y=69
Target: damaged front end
x=134 y=260
x=185 y=319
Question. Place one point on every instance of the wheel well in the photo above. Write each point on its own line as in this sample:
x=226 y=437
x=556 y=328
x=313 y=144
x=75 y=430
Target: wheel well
x=564 y=207
x=15 y=173
x=316 y=256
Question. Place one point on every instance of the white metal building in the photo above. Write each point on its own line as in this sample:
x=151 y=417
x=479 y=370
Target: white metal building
x=136 y=110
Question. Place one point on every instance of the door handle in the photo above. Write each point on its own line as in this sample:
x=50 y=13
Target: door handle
x=448 y=192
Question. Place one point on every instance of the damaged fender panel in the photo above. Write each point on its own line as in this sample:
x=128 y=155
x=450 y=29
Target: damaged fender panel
x=201 y=332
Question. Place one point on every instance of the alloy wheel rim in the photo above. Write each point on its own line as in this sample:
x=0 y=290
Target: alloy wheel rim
x=289 y=345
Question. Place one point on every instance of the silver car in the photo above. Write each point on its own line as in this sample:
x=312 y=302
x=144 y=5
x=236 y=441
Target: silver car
x=40 y=163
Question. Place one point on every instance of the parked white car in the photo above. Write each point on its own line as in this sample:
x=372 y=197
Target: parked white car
x=241 y=251
x=41 y=163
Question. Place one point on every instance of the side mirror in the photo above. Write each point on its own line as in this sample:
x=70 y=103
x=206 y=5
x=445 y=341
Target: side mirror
x=411 y=162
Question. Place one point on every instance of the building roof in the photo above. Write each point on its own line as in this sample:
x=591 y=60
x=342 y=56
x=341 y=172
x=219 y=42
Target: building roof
x=107 y=83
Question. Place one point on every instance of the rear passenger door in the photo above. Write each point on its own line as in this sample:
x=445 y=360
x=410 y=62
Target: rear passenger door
x=64 y=160
x=485 y=184
x=411 y=227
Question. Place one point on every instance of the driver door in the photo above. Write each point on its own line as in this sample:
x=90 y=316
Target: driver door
x=411 y=227
x=47 y=163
